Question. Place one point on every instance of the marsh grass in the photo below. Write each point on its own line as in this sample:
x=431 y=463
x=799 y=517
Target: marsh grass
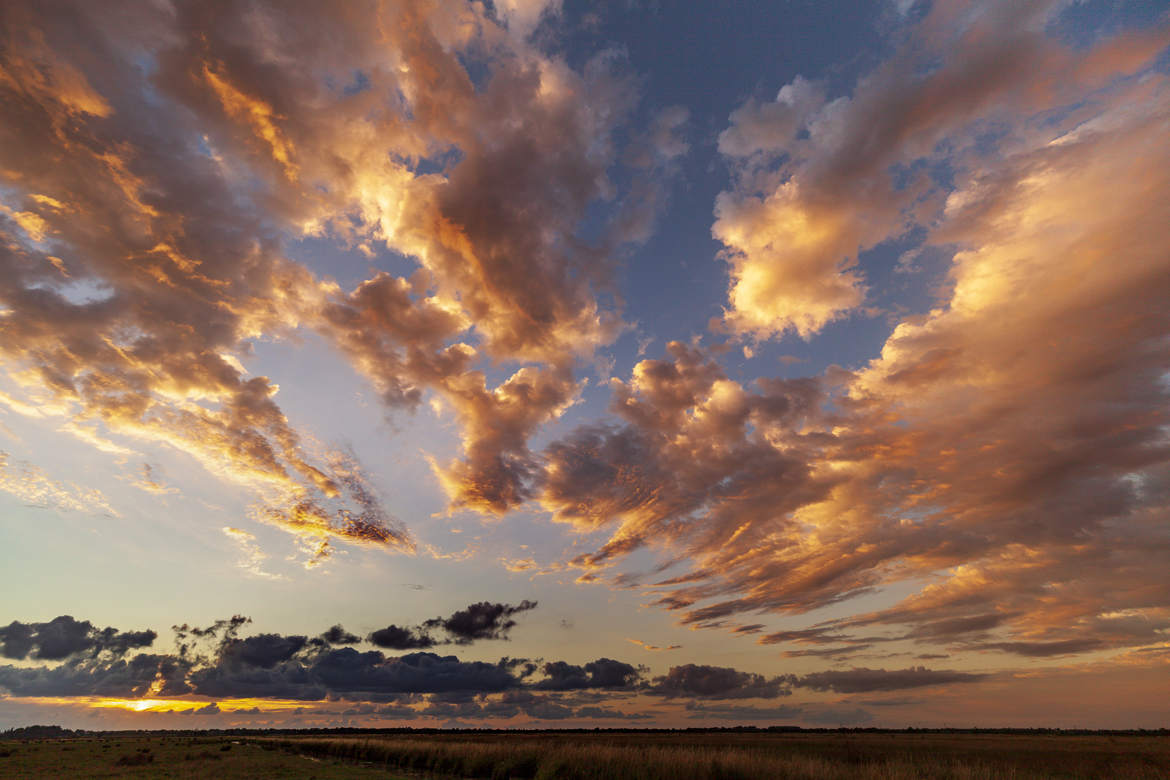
x=587 y=755
x=726 y=757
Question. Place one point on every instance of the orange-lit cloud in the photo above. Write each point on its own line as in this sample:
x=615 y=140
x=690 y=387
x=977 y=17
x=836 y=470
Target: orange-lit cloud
x=1002 y=460
x=179 y=272
x=168 y=705
x=820 y=180
x=652 y=648
x=1007 y=449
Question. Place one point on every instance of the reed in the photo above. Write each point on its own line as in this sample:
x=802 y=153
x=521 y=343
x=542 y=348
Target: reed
x=550 y=758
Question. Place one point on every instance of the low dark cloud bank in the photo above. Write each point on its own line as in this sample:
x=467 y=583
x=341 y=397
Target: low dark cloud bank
x=216 y=661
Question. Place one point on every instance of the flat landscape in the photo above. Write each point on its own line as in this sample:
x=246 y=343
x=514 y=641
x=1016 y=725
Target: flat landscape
x=650 y=754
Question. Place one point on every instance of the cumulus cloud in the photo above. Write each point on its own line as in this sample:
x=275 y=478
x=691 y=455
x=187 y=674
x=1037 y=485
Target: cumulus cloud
x=337 y=635
x=602 y=673
x=479 y=621
x=820 y=179
x=217 y=661
x=65 y=636
x=398 y=638
x=483 y=620
x=717 y=682
x=1006 y=448
x=161 y=267
x=139 y=264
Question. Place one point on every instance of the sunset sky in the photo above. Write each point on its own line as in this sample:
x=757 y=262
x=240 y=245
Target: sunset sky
x=539 y=364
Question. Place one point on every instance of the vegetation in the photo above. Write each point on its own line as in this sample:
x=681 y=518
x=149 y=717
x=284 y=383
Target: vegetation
x=585 y=755
x=728 y=755
x=171 y=756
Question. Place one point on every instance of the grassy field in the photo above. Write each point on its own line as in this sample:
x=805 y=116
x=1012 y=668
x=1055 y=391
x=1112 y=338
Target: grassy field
x=170 y=756
x=647 y=755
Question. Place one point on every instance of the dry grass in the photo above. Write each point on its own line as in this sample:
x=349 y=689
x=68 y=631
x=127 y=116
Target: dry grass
x=728 y=757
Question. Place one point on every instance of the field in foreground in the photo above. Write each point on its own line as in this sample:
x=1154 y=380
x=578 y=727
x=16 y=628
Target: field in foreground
x=649 y=755
x=169 y=756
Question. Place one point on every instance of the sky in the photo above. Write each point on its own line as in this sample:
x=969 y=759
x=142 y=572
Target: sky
x=554 y=364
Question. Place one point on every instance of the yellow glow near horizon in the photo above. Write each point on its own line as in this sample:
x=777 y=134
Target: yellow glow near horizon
x=170 y=705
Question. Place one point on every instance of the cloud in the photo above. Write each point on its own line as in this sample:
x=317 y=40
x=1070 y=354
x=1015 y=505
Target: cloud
x=216 y=661
x=1006 y=447
x=476 y=622
x=1046 y=649
x=652 y=648
x=263 y=651
x=337 y=635
x=870 y=680
x=153 y=263
x=602 y=673
x=251 y=556
x=397 y=638
x=483 y=620
x=148 y=482
x=820 y=180
x=64 y=637
x=36 y=488
x=135 y=677
x=143 y=262
x=716 y=682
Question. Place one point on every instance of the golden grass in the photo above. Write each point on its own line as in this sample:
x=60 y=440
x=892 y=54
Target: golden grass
x=728 y=757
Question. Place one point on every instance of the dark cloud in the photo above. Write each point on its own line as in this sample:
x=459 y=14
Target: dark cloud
x=869 y=680
x=215 y=661
x=717 y=682
x=484 y=620
x=476 y=622
x=397 y=638
x=263 y=651
x=64 y=637
x=1045 y=649
x=351 y=674
x=602 y=673
x=120 y=678
x=337 y=635
x=347 y=671
x=827 y=652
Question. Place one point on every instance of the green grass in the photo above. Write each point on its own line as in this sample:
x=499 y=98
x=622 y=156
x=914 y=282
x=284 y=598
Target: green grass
x=589 y=756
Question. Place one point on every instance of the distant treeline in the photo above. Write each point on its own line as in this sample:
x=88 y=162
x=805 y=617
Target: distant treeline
x=57 y=732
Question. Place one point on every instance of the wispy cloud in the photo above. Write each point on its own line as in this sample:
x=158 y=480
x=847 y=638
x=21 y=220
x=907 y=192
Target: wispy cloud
x=36 y=488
